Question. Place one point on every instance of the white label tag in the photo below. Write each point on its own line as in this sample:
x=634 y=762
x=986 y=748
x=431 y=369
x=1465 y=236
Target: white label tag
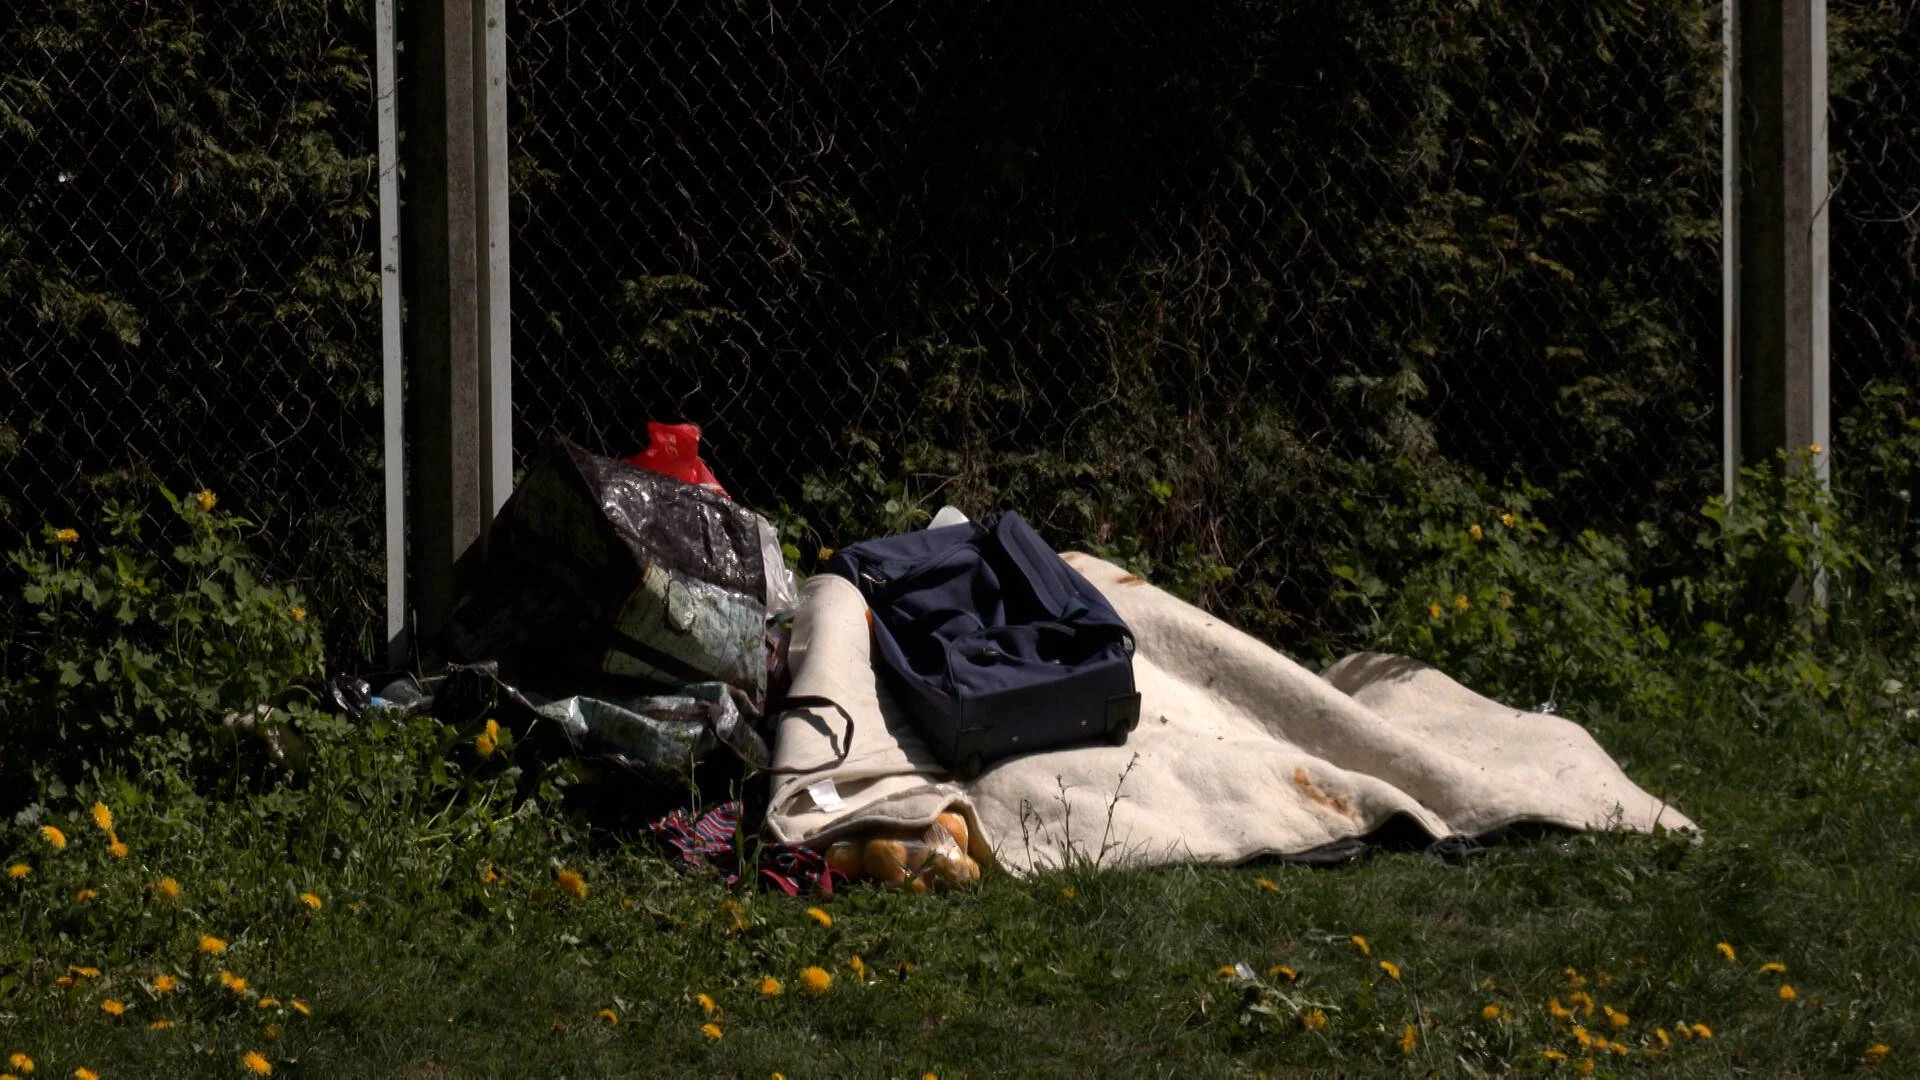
x=826 y=796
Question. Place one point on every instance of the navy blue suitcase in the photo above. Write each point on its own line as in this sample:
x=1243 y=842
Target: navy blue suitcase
x=992 y=643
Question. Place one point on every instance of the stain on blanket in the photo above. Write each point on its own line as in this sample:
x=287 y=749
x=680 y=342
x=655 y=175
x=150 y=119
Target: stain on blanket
x=1339 y=804
x=1132 y=579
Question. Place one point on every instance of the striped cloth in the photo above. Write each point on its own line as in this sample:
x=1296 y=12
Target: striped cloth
x=708 y=841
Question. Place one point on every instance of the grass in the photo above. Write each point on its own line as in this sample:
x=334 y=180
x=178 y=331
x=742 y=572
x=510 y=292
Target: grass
x=414 y=965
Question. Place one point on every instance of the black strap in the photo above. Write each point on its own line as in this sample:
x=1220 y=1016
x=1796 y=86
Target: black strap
x=814 y=701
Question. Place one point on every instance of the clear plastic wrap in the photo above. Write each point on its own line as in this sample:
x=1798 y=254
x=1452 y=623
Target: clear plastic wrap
x=933 y=859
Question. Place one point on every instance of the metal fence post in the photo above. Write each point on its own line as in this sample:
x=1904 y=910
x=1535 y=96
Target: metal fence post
x=1776 y=232
x=392 y=381
x=455 y=314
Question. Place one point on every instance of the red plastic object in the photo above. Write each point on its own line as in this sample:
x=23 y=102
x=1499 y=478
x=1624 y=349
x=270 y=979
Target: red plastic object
x=674 y=450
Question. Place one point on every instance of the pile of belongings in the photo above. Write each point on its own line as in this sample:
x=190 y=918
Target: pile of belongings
x=1016 y=708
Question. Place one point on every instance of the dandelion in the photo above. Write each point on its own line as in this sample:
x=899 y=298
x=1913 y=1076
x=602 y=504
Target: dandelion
x=55 y=839
x=21 y=1062
x=1473 y=530
x=1460 y=603
x=160 y=1025
x=1813 y=448
x=1702 y=1031
x=256 y=1064
x=1408 y=1039
x=770 y=986
x=1490 y=1011
x=1553 y=1055
x=67 y=536
x=1584 y=1000
x=269 y=1002
x=165 y=984
x=1726 y=950
x=102 y=817
x=487 y=741
x=572 y=884
x=1282 y=971
x=300 y=1007
x=711 y=1030
x=1787 y=992
x=1559 y=1011
x=119 y=849
x=211 y=945
x=1582 y=1036
x=1228 y=971
x=297 y=612
x=167 y=889
x=1392 y=969
x=736 y=918
x=820 y=916
x=612 y=1018
x=1773 y=967
x=233 y=982
x=1267 y=885
x=1361 y=944
x=1876 y=1053
x=1314 y=1020
x=1661 y=1034
x=272 y=1031
x=113 y=1007
x=1574 y=978
x=85 y=1074
x=1683 y=1029
x=85 y=896
x=1434 y=610
x=859 y=967
x=489 y=876
x=1617 y=1018
x=1507 y=520
x=84 y=972
x=312 y=901
x=1068 y=893
x=64 y=980
x=706 y=1003
x=816 y=980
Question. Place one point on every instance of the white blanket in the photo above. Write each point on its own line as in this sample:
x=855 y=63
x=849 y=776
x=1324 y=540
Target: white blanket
x=1240 y=752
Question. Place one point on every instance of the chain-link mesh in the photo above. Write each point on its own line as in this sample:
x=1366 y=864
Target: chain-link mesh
x=1156 y=274
x=188 y=290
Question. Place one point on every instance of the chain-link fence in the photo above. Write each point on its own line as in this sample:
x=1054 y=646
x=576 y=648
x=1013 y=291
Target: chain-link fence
x=188 y=288
x=1159 y=275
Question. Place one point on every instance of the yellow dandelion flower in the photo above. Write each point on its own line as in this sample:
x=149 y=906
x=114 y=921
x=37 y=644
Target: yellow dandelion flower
x=272 y=1031
x=1787 y=992
x=84 y=1073
x=1553 y=1055
x=815 y=980
x=205 y=499
x=489 y=876
x=1585 y=1068
x=165 y=984
x=1068 y=893
x=1392 y=969
x=113 y=1007
x=102 y=817
x=1282 y=971
x=1584 y=1000
x=167 y=889
x=820 y=916
x=1361 y=944
x=1773 y=967
x=1408 y=1039
x=736 y=918
x=1683 y=1029
x=160 y=1025
x=67 y=536
x=1434 y=610
x=312 y=901
x=54 y=837
x=83 y=971
x=485 y=744
x=1581 y=1036
x=1507 y=520
x=257 y=1064
x=859 y=967
x=1574 y=978
x=1876 y=1053
x=1661 y=1034
x=706 y=1003
x=119 y=849
x=300 y=1007
x=1227 y=971
x=297 y=612
x=269 y=1002
x=1813 y=448
x=1702 y=1031
x=711 y=1030
x=21 y=1062
x=1726 y=950
x=612 y=1018
x=1617 y=1018
x=1267 y=885
x=211 y=945
x=1559 y=1011
x=572 y=884
x=1473 y=530
x=85 y=896
x=1314 y=1020
x=64 y=980
x=770 y=986
x=233 y=982
x=1490 y=1011
x=1460 y=603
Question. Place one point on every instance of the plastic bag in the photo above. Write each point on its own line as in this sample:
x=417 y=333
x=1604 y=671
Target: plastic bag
x=674 y=450
x=933 y=859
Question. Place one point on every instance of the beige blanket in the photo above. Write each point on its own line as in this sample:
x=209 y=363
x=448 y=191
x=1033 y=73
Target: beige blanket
x=1240 y=752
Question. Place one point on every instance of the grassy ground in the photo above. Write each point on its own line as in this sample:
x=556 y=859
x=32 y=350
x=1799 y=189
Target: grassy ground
x=413 y=963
